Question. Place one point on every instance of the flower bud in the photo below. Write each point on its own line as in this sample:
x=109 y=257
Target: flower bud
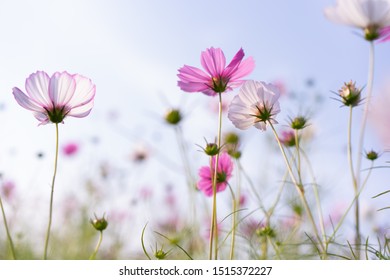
x=298 y=123
x=99 y=224
x=372 y=155
x=173 y=117
x=350 y=94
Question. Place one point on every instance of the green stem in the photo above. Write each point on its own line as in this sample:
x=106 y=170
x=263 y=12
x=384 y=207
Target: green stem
x=214 y=234
x=51 y=197
x=370 y=83
x=93 y=256
x=11 y=244
x=299 y=189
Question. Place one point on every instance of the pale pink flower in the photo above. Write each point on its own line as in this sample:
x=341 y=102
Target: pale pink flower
x=288 y=138
x=70 y=149
x=224 y=172
x=368 y=15
x=8 y=189
x=56 y=97
x=217 y=77
x=256 y=104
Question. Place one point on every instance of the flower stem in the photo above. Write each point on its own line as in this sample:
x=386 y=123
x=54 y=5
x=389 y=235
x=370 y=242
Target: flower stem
x=300 y=190
x=93 y=256
x=234 y=223
x=214 y=229
x=51 y=197
x=370 y=83
x=11 y=244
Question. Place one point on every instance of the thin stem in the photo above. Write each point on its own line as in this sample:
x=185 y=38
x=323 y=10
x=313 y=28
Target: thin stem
x=93 y=256
x=11 y=244
x=354 y=180
x=214 y=225
x=51 y=197
x=316 y=195
x=370 y=83
x=299 y=189
x=234 y=218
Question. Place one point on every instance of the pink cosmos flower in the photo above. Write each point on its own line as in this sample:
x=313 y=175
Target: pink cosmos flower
x=384 y=34
x=217 y=77
x=53 y=98
x=70 y=148
x=224 y=172
x=256 y=104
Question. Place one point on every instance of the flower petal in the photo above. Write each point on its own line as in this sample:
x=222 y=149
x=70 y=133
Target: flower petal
x=84 y=92
x=37 y=87
x=25 y=101
x=61 y=88
x=213 y=61
x=82 y=110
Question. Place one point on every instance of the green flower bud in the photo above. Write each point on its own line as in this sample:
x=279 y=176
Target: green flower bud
x=372 y=155
x=99 y=224
x=298 y=123
x=173 y=117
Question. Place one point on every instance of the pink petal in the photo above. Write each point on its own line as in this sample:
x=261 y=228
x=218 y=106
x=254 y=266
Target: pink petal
x=213 y=61
x=25 y=101
x=37 y=87
x=61 y=88
x=244 y=68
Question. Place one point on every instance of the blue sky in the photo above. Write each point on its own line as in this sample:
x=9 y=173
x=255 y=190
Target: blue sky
x=132 y=50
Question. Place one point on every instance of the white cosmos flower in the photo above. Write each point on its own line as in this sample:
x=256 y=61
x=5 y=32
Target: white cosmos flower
x=256 y=104
x=369 y=15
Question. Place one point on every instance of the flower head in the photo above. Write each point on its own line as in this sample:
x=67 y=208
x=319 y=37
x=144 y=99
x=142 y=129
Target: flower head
x=256 y=104
x=56 y=97
x=224 y=172
x=216 y=77
x=369 y=15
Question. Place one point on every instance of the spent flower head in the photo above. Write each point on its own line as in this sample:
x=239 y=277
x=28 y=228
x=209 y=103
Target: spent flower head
x=371 y=16
x=350 y=94
x=256 y=104
x=56 y=97
x=216 y=76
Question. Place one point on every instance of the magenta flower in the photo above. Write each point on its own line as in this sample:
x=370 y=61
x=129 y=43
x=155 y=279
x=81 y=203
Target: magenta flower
x=70 y=148
x=217 y=77
x=56 y=97
x=224 y=172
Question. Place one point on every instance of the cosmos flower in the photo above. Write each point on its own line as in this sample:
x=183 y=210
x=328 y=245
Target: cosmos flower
x=369 y=15
x=53 y=98
x=70 y=149
x=217 y=77
x=256 y=104
x=224 y=172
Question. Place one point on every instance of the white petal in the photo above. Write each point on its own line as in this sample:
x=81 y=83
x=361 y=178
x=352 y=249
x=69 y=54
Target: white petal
x=61 y=88
x=81 y=111
x=84 y=93
x=37 y=87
